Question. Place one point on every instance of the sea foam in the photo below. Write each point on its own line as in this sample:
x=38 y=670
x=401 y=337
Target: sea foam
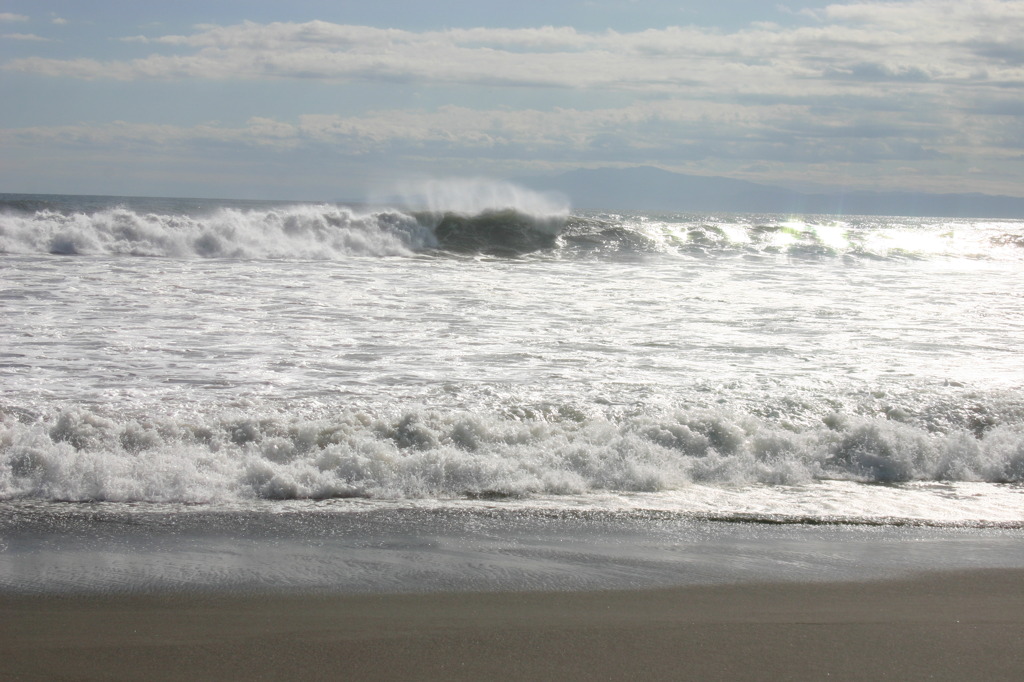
x=78 y=454
x=300 y=231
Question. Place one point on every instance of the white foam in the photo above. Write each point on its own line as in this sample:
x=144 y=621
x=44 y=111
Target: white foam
x=83 y=455
x=327 y=232
x=300 y=231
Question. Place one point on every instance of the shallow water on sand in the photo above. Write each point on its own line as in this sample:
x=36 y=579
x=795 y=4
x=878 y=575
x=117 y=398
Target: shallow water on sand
x=108 y=549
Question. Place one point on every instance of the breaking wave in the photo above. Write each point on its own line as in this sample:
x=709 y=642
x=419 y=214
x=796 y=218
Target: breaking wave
x=302 y=232
x=497 y=233
x=809 y=237
x=295 y=232
x=472 y=218
x=82 y=455
x=491 y=218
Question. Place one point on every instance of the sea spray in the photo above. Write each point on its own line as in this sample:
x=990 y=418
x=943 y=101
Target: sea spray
x=471 y=196
x=484 y=216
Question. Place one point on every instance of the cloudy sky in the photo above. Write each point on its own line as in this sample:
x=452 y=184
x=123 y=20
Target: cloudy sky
x=331 y=99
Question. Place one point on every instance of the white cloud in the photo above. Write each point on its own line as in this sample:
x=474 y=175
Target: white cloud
x=936 y=40
x=27 y=37
x=7 y=16
x=644 y=130
x=925 y=82
x=773 y=142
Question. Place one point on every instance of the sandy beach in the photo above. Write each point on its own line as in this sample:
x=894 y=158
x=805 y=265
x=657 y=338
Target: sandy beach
x=937 y=626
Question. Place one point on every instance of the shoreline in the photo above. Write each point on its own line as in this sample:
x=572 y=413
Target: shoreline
x=119 y=550
x=934 y=625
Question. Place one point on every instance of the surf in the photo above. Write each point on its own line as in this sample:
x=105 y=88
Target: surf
x=479 y=216
x=79 y=454
x=471 y=217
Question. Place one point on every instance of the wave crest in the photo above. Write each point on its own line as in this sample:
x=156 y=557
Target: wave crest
x=497 y=233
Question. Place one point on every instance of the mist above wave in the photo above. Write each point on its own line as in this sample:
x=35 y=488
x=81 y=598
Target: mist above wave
x=484 y=216
x=469 y=196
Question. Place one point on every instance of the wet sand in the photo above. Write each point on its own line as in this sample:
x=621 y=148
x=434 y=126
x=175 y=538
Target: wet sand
x=941 y=626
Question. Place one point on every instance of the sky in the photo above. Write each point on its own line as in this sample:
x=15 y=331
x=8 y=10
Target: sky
x=335 y=100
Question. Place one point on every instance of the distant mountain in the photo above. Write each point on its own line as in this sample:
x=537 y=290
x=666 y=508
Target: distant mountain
x=653 y=189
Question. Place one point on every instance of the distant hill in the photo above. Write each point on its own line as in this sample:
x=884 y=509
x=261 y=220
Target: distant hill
x=644 y=188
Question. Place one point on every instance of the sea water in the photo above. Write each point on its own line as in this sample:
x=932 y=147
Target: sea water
x=491 y=358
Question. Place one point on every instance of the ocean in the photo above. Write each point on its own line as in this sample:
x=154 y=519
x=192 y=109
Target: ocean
x=475 y=386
